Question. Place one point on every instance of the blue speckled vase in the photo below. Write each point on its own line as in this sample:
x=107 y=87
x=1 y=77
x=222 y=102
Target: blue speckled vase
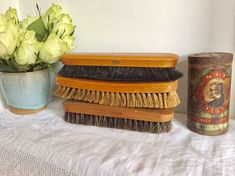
x=26 y=93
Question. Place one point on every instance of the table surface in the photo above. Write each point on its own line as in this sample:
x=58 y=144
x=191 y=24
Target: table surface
x=43 y=144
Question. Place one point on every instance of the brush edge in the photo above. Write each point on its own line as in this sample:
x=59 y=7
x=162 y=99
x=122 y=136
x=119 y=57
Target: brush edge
x=117 y=86
x=161 y=60
x=150 y=115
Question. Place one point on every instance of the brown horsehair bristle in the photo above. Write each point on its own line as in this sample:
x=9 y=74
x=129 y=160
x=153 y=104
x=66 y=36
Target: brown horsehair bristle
x=126 y=74
x=120 y=123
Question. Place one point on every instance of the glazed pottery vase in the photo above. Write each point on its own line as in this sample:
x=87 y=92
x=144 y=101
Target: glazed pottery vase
x=26 y=93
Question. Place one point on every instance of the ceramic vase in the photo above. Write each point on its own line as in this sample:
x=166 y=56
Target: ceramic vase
x=26 y=93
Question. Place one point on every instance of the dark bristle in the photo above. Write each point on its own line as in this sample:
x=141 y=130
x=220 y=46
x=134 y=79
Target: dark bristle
x=111 y=122
x=134 y=74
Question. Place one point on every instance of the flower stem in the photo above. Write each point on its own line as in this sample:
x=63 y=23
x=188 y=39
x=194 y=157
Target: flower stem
x=38 y=9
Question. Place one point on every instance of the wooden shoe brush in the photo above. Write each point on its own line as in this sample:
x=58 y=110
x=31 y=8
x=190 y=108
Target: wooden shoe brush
x=140 y=67
x=136 y=119
x=123 y=94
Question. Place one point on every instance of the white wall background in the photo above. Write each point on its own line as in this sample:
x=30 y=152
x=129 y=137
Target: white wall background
x=179 y=26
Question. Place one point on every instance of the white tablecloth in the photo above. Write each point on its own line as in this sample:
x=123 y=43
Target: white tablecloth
x=43 y=144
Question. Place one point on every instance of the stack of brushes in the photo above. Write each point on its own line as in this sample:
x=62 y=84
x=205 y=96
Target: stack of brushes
x=126 y=91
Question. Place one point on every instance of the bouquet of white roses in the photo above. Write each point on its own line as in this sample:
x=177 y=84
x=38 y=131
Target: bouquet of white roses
x=36 y=42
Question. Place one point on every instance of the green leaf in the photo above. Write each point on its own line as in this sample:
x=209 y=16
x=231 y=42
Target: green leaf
x=19 y=68
x=6 y=68
x=72 y=33
x=46 y=36
x=39 y=28
x=39 y=67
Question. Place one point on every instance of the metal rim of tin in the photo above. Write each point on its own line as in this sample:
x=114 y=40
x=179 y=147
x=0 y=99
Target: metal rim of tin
x=210 y=58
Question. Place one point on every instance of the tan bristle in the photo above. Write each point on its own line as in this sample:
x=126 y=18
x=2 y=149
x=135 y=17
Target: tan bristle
x=128 y=98
x=61 y=91
x=71 y=94
x=66 y=92
x=160 y=101
x=97 y=97
x=112 y=98
x=177 y=97
x=165 y=100
x=138 y=100
x=155 y=100
x=133 y=100
x=83 y=94
x=150 y=101
x=87 y=96
x=57 y=90
x=107 y=98
x=92 y=98
x=102 y=98
x=144 y=99
x=77 y=94
x=123 y=100
x=117 y=100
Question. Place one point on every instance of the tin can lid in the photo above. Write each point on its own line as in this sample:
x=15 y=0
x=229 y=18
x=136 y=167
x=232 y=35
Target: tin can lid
x=210 y=58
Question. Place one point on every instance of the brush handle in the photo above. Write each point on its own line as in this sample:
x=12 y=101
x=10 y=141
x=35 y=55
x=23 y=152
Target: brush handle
x=117 y=87
x=159 y=60
x=150 y=115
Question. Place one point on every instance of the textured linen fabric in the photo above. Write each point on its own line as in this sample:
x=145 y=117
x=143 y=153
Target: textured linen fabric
x=43 y=144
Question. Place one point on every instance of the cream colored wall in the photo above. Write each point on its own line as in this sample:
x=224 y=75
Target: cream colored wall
x=222 y=37
x=5 y=4
x=178 y=26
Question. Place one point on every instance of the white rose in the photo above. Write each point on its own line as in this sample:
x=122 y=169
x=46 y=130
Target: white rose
x=53 y=49
x=3 y=23
x=63 y=26
x=14 y=28
x=27 y=52
x=11 y=15
x=51 y=15
x=7 y=44
x=9 y=33
x=69 y=41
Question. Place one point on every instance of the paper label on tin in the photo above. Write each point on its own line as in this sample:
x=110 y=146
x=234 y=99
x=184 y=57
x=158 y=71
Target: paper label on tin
x=209 y=102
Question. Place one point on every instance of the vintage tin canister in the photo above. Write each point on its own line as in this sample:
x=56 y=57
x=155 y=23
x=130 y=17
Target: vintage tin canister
x=209 y=84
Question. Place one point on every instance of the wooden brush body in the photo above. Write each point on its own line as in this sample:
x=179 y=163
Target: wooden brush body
x=156 y=60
